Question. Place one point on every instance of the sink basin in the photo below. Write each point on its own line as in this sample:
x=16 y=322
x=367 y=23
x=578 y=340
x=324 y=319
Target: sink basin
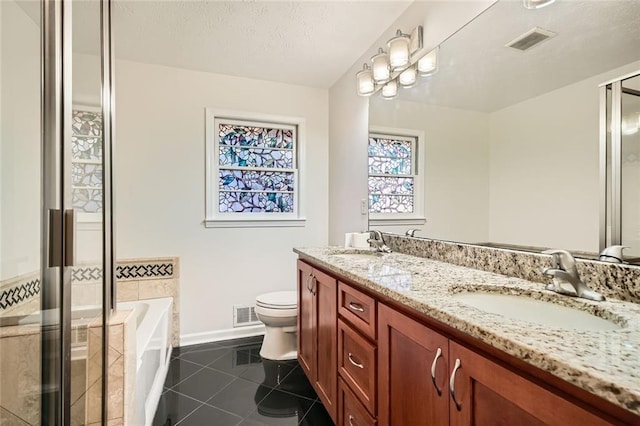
x=535 y=311
x=355 y=254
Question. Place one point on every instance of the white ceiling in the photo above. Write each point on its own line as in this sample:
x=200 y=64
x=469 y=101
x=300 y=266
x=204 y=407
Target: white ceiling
x=477 y=72
x=310 y=43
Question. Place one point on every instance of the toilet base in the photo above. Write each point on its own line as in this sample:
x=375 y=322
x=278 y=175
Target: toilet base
x=280 y=343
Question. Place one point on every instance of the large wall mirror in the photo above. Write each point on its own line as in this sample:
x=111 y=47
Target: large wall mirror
x=510 y=137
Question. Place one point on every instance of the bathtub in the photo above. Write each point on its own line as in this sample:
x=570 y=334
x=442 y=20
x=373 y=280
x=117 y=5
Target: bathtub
x=153 y=353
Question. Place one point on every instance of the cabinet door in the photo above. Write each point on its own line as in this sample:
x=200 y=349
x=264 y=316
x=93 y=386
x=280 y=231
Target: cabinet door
x=325 y=291
x=306 y=323
x=408 y=353
x=485 y=393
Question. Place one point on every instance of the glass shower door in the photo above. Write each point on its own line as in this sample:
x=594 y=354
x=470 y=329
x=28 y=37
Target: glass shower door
x=630 y=166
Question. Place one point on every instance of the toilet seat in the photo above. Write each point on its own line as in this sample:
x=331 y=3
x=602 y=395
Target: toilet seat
x=279 y=300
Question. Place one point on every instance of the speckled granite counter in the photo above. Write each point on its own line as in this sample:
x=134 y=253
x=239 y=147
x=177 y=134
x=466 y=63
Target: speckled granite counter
x=606 y=364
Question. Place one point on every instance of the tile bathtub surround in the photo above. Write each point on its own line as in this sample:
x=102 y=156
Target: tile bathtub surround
x=151 y=278
x=221 y=383
x=604 y=363
x=610 y=279
x=121 y=369
x=20 y=295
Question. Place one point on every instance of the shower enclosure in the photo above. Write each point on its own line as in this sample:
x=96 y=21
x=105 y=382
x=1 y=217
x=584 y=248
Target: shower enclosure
x=56 y=245
x=620 y=164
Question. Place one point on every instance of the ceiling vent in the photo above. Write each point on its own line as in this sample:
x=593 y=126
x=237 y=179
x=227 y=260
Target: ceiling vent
x=530 y=39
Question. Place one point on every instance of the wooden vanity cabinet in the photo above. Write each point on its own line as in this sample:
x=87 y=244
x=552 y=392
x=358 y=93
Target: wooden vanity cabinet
x=317 y=333
x=409 y=353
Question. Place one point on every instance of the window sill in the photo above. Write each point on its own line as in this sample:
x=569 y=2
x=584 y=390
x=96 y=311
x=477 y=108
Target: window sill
x=397 y=221
x=250 y=223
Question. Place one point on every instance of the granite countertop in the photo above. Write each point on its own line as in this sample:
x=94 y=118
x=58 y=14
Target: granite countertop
x=604 y=363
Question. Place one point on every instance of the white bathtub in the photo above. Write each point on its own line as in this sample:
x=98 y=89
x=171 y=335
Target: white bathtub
x=153 y=350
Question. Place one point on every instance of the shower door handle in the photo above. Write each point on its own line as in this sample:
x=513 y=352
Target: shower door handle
x=69 y=237
x=55 y=238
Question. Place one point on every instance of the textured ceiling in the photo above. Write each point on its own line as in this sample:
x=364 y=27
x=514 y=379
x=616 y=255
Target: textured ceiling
x=310 y=43
x=477 y=72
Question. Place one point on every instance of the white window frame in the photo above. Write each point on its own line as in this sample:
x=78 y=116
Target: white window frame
x=213 y=217
x=417 y=140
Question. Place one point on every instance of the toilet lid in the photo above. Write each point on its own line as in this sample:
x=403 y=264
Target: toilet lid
x=278 y=300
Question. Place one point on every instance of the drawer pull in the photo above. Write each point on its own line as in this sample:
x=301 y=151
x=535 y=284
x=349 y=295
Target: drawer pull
x=357 y=364
x=356 y=307
x=309 y=282
x=350 y=420
x=433 y=371
x=452 y=384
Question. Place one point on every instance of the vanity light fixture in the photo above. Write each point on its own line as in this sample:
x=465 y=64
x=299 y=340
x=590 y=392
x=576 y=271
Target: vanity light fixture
x=390 y=90
x=536 y=4
x=380 y=65
x=396 y=67
x=399 y=55
x=407 y=77
x=366 y=85
x=428 y=64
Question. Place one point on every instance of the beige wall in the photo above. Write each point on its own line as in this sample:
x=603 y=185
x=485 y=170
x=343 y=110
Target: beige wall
x=160 y=195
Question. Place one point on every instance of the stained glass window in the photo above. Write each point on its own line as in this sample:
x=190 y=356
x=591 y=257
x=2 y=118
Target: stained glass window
x=256 y=167
x=392 y=173
x=86 y=158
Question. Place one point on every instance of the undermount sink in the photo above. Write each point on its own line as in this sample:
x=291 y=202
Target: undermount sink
x=355 y=254
x=523 y=308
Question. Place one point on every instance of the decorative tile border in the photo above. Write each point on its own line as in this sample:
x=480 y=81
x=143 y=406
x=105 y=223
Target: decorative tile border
x=611 y=279
x=86 y=273
x=139 y=271
x=19 y=290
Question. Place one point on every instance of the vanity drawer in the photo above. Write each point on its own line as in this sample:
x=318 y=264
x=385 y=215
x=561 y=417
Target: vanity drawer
x=358 y=308
x=357 y=364
x=351 y=412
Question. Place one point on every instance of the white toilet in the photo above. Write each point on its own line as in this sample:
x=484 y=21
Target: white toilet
x=278 y=311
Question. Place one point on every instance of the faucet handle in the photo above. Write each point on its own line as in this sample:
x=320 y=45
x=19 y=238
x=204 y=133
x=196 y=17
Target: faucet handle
x=613 y=254
x=561 y=258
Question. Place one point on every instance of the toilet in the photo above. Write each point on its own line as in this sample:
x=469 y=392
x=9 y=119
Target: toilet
x=278 y=311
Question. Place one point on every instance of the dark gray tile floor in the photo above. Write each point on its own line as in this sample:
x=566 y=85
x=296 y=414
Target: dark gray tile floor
x=224 y=383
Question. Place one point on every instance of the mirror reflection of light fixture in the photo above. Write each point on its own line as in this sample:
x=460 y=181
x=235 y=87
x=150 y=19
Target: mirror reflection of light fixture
x=630 y=125
x=399 y=55
x=428 y=64
x=366 y=85
x=407 y=77
x=390 y=90
x=381 y=71
x=536 y=4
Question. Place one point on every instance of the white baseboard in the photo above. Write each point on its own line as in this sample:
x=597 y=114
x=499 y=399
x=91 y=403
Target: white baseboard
x=215 y=336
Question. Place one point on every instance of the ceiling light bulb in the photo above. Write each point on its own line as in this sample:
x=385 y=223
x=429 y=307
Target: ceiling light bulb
x=428 y=64
x=365 y=81
x=408 y=77
x=399 y=50
x=390 y=90
x=380 y=66
x=536 y=4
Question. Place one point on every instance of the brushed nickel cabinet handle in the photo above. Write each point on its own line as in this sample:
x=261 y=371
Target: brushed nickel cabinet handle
x=357 y=364
x=433 y=371
x=452 y=384
x=350 y=420
x=314 y=281
x=356 y=307
x=309 y=282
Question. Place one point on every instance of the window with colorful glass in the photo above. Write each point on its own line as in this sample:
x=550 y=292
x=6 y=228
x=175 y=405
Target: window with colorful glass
x=86 y=159
x=392 y=174
x=256 y=167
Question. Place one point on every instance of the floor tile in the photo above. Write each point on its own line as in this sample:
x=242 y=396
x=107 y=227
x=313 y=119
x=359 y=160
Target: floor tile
x=173 y=407
x=234 y=362
x=317 y=416
x=204 y=356
x=179 y=370
x=281 y=409
x=204 y=384
x=298 y=384
x=241 y=397
x=241 y=342
x=206 y=415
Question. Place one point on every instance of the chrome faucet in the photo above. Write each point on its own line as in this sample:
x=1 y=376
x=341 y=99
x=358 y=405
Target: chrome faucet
x=411 y=232
x=564 y=271
x=613 y=254
x=377 y=242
